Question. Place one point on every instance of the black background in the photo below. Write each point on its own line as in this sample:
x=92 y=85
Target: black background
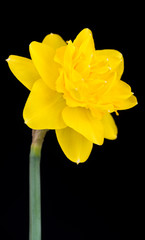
x=102 y=198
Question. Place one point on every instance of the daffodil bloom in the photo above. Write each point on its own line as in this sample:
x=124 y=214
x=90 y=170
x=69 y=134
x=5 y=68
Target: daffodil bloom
x=74 y=88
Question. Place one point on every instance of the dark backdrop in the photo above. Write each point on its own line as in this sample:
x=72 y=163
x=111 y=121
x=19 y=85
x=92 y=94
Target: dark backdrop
x=102 y=198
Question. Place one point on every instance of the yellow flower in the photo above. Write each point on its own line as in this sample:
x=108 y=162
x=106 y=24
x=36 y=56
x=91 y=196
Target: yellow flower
x=74 y=89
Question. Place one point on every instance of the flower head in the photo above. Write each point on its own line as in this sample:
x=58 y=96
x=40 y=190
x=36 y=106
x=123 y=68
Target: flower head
x=74 y=89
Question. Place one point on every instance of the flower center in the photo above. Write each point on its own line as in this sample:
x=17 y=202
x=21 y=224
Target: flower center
x=85 y=77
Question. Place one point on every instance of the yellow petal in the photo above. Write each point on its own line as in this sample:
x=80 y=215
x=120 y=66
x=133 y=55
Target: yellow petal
x=81 y=120
x=76 y=147
x=85 y=41
x=60 y=86
x=68 y=56
x=54 y=41
x=59 y=55
x=43 y=59
x=43 y=109
x=114 y=58
x=24 y=70
x=121 y=90
x=110 y=128
x=126 y=103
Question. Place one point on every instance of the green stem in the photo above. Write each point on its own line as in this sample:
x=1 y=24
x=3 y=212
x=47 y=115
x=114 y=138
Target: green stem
x=34 y=185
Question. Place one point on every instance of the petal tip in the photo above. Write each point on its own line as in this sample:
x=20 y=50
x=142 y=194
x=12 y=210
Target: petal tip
x=115 y=137
x=33 y=44
x=78 y=161
x=25 y=121
x=8 y=59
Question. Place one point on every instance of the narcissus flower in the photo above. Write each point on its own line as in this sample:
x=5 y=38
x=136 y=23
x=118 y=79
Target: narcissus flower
x=74 y=89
